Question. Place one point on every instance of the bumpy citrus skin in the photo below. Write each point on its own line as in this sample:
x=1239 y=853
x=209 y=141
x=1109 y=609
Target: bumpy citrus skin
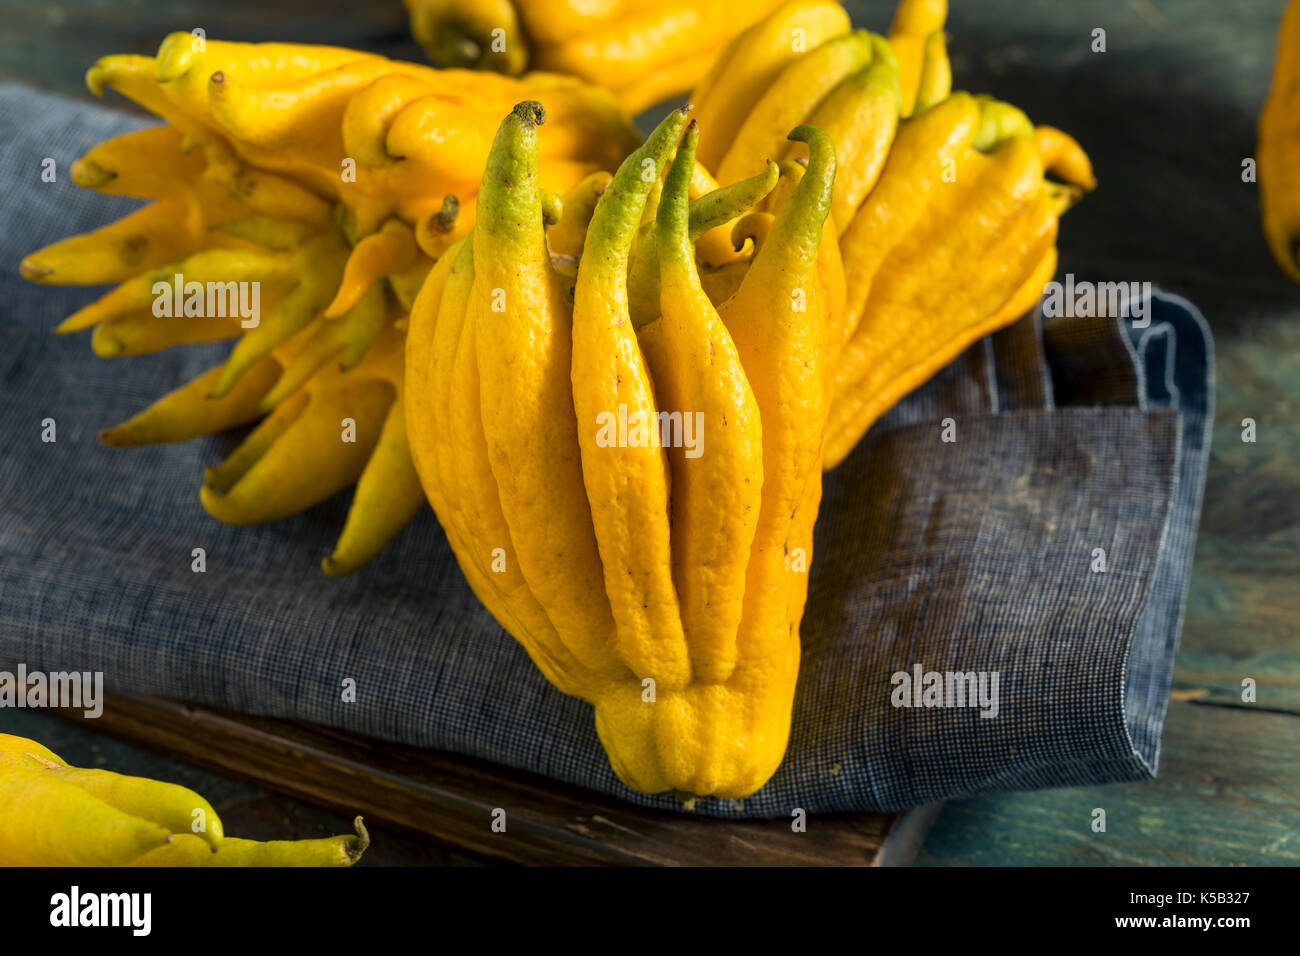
x=793 y=96
x=717 y=486
x=956 y=240
x=333 y=851
x=650 y=581
x=861 y=117
x=58 y=815
x=903 y=140
x=627 y=488
x=333 y=179
x=915 y=23
x=750 y=64
x=438 y=321
x=724 y=733
x=523 y=329
x=713 y=209
x=644 y=50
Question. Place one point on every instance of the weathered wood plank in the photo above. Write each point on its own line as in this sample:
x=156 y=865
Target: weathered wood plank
x=451 y=800
x=1228 y=794
x=1243 y=609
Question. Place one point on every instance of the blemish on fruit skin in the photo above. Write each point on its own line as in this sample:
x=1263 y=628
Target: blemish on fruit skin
x=133 y=249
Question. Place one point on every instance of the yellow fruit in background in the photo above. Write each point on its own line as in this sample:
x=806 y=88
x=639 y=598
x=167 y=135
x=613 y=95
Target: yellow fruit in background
x=1279 y=149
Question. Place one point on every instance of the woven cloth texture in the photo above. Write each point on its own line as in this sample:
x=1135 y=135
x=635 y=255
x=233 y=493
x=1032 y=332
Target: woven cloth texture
x=971 y=555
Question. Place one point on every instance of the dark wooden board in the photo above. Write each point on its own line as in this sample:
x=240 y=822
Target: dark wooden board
x=451 y=799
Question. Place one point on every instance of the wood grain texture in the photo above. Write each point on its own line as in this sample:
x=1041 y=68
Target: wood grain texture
x=1228 y=794
x=1243 y=608
x=452 y=800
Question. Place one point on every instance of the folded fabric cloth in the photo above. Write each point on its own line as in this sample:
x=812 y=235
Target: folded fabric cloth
x=1075 y=445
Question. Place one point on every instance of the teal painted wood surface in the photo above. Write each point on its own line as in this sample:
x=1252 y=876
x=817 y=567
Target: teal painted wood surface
x=1228 y=794
x=1168 y=114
